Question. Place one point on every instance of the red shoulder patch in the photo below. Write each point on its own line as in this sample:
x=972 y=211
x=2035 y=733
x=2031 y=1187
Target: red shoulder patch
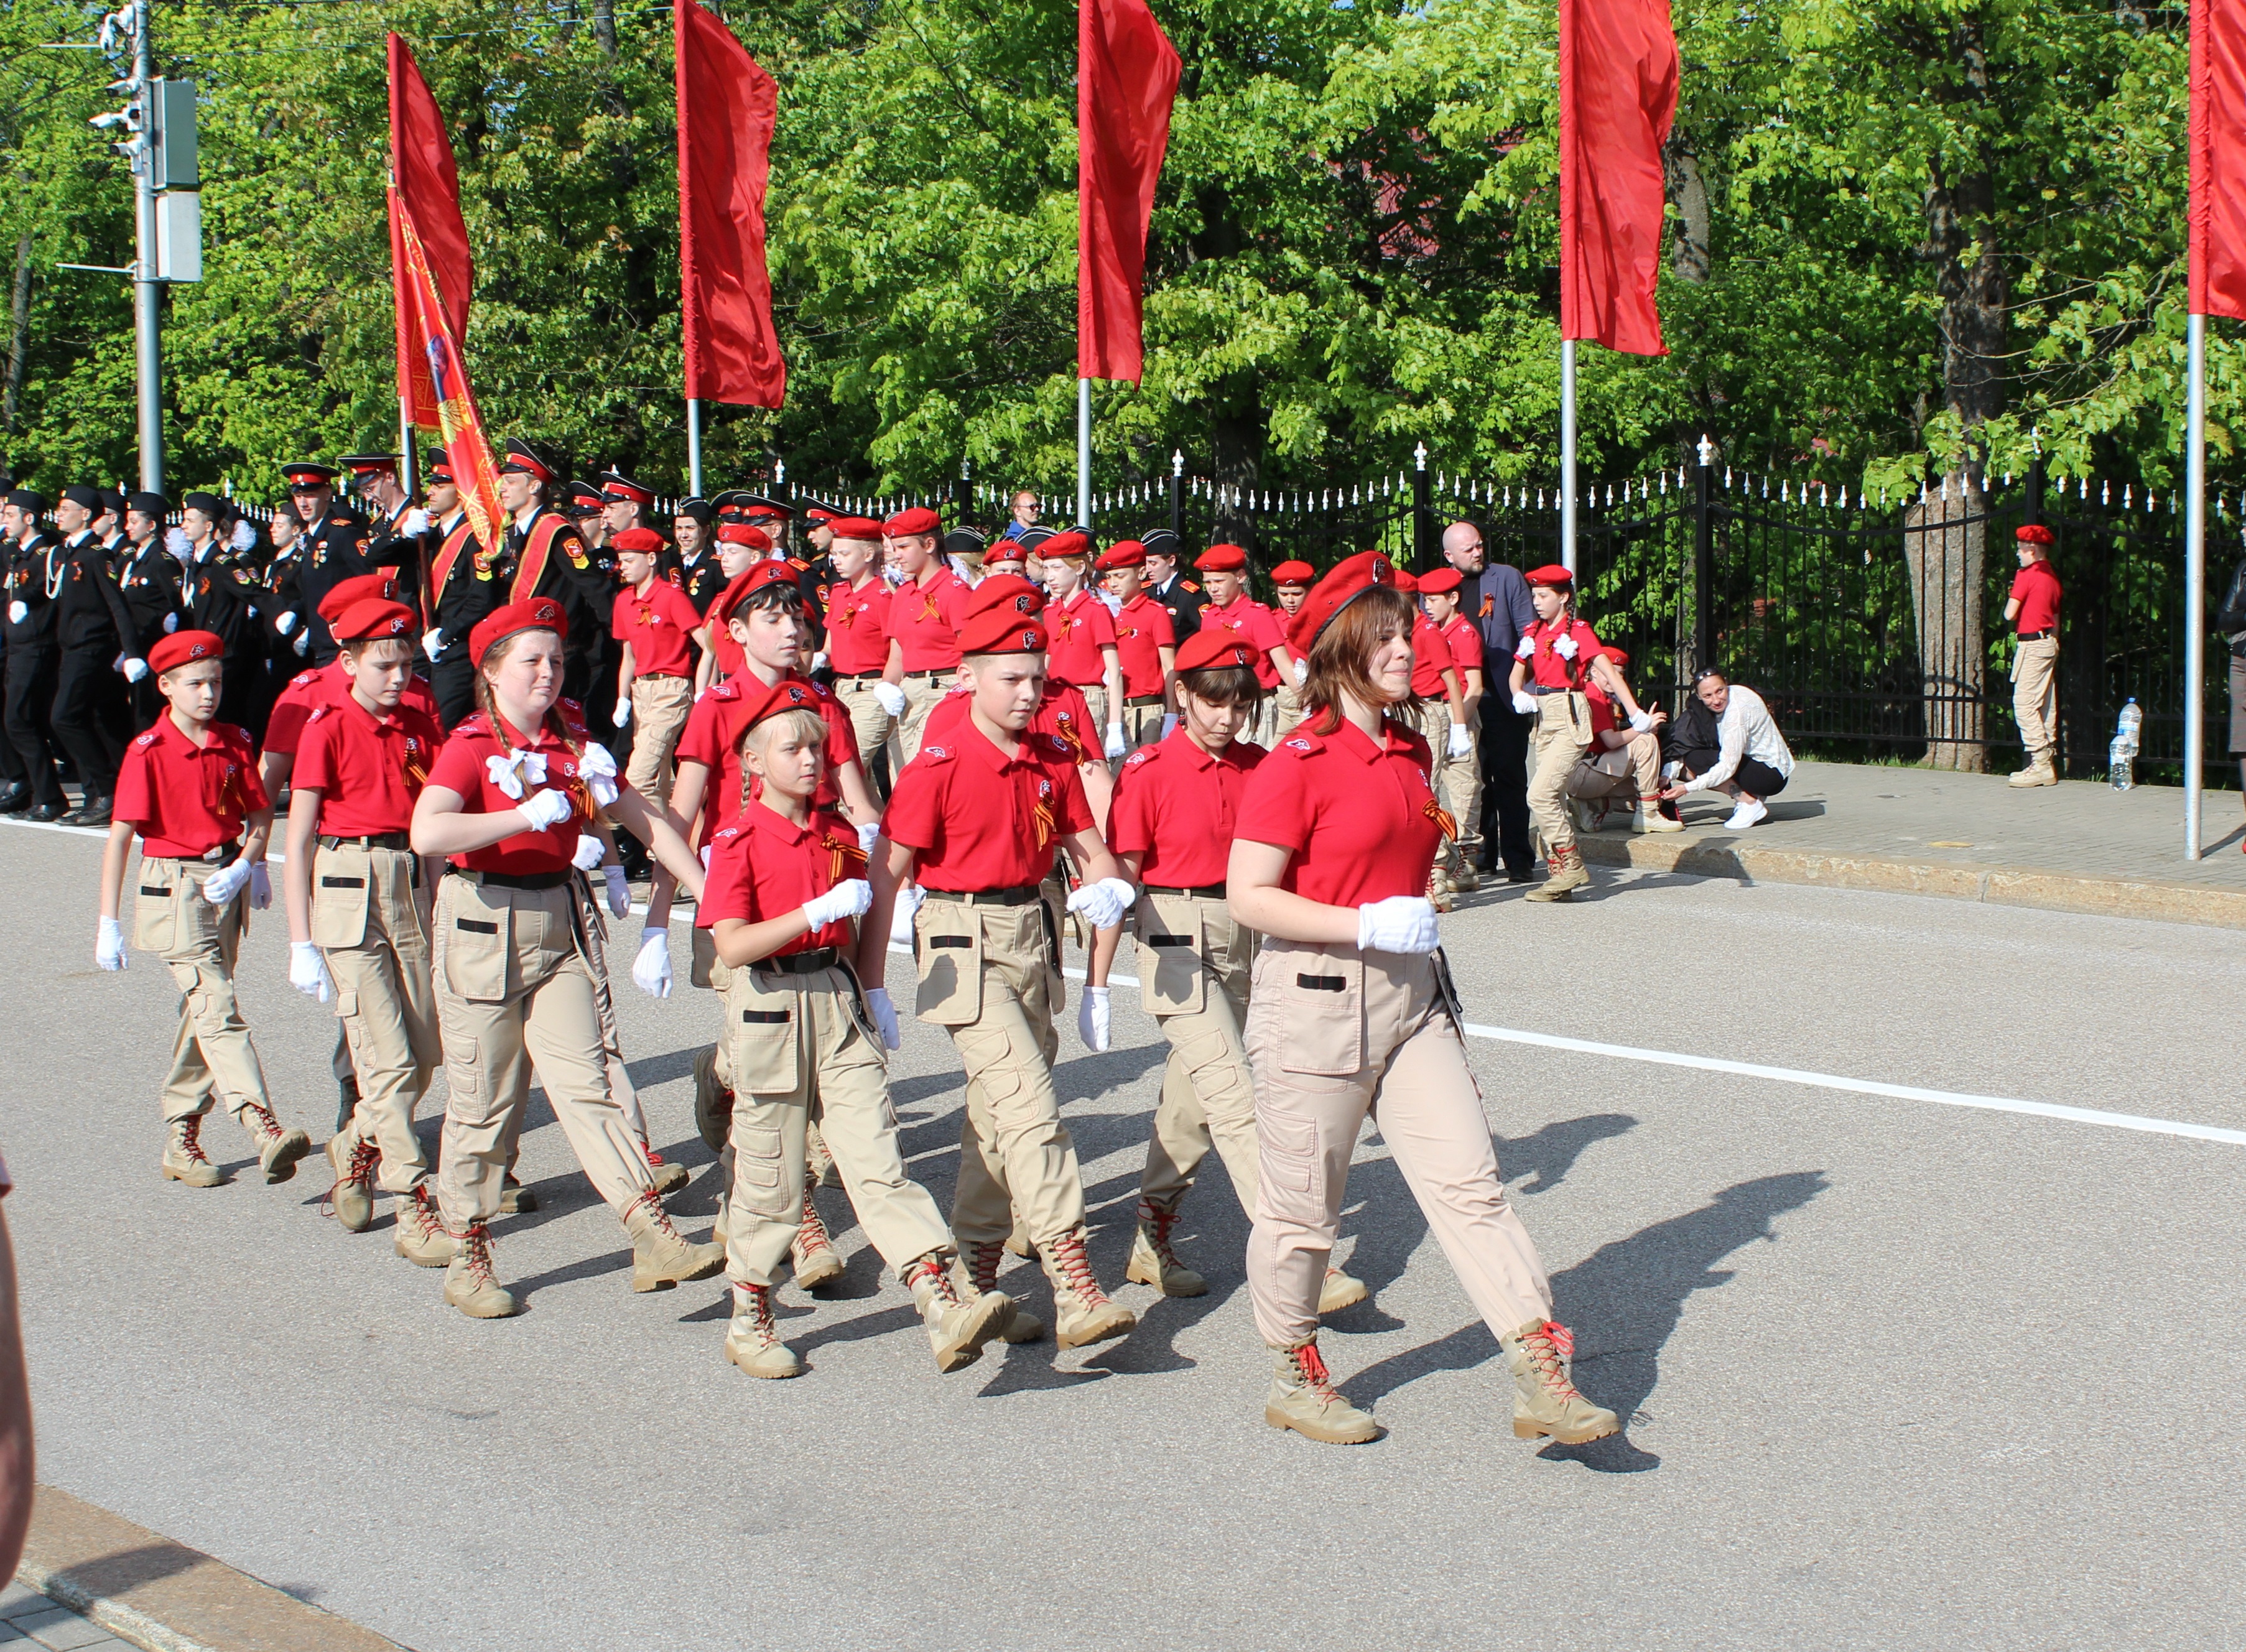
x=1144 y=754
x=147 y=740
x=318 y=711
x=727 y=690
x=939 y=754
x=305 y=679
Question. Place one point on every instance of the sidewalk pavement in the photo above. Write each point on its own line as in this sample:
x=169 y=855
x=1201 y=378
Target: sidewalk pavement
x=2077 y=847
x=30 y=1620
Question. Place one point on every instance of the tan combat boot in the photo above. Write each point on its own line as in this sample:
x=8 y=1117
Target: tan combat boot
x=660 y=1257
x=1466 y=880
x=713 y=1103
x=1339 y=1291
x=421 y=1238
x=2040 y=770
x=816 y=1156
x=958 y=1327
x=1568 y=876
x=470 y=1285
x=1154 y=1261
x=752 y=1341
x=353 y=1194
x=1544 y=1398
x=817 y=1261
x=278 y=1149
x=184 y=1158
x=1442 y=894
x=668 y=1178
x=1648 y=818
x=1303 y=1398
x=975 y=1274
x=514 y=1198
x=1082 y=1313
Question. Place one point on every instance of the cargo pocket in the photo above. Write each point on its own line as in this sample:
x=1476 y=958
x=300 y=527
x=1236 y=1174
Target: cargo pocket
x=1171 y=976
x=1289 y=1175
x=155 y=927
x=757 y=1170
x=764 y=1029
x=339 y=899
x=1322 y=1012
x=950 y=938
x=479 y=939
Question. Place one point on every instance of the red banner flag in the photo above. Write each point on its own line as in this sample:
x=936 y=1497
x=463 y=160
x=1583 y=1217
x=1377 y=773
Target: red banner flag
x=1617 y=97
x=1126 y=78
x=467 y=448
x=727 y=107
x=425 y=184
x=2218 y=158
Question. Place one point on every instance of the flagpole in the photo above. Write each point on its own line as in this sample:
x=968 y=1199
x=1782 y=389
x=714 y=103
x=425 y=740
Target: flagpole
x=2195 y=593
x=694 y=446
x=409 y=467
x=1084 y=452
x=1568 y=454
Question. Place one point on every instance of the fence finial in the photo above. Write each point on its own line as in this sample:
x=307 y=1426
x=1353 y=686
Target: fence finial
x=1419 y=456
x=1707 y=451
x=966 y=468
x=1177 y=461
x=779 y=469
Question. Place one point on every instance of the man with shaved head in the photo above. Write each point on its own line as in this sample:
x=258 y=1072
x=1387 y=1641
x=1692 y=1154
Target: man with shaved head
x=1493 y=598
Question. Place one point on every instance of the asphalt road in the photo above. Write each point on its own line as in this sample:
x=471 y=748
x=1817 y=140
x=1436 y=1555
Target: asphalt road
x=1898 y=1374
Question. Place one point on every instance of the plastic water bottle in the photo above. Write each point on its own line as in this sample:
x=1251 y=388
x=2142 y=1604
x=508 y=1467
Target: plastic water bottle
x=2120 y=756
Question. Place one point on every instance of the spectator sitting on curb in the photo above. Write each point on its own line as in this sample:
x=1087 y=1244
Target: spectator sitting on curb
x=1622 y=767
x=1748 y=761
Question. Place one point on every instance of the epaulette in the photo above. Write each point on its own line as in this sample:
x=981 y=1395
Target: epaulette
x=1302 y=742
x=798 y=565
x=725 y=835
x=727 y=690
x=147 y=740
x=318 y=711
x=304 y=678
x=941 y=754
x=1144 y=754
x=474 y=723
x=1191 y=586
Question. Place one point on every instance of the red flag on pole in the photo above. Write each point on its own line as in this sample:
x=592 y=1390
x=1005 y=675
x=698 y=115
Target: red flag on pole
x=467 y=450
x=1617 y=97
x=727 y=107
x=425 y=184
x=1127 y=77
x=2218 y=158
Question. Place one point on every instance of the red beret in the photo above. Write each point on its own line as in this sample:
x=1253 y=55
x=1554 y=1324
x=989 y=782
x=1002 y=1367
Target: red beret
x=645 y=539
x=1214 y=648
x=364 y=621
x=534 y=614
x=741 y=533
x=752 y=579
x=2034 y=533
x=1441 y=582
x=856 y=527
x=783 y=696
x=1294 y=574
x=1122 y=553
x=1222 y=558
x=1405 y=581
x=1000 y=630
x=361 y=587
x=1006 y=593
x=1551 y=573
x=919 y=519
x=184 y=648
x=1344 y=582
x=1062 y=545
x=1003 y=550
x=1615 y=655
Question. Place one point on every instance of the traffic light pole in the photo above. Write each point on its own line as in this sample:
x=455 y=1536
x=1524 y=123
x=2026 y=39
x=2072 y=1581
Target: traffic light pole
x=148 y=339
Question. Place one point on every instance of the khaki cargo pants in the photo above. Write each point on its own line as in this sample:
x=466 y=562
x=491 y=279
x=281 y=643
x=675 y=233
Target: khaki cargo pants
x=2035 y=696
x=1457 y=780
x=1337 y=1034
x=802 y=1048
x=1194 y=964
x=514 y=993
x=1556 y=743
x=659 y=706
x=367 y=921
x=1143 y=723
x=214 y=1055
x=990 y=976
x=867 y=721
x=1627 y=769
x=921 y=692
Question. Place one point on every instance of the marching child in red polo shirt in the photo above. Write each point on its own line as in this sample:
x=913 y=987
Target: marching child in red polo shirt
x=857 y=629
x=1224 y=573
x=660 y=628
x=740 y=547
x=188 y=787
x=925 y=611
x=1083 y=632
x=786 y=878
x=1290 y=583
x=1145 y=647
x=1458 y=771
x=1438 y=707
x=359 y=916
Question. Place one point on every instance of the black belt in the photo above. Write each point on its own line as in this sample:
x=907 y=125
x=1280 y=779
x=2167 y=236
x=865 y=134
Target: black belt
x=801 y=963
x=1546 y=687
x=513 y=880
x=214 y=856
x=372 y=840
x=1199 y=892
x=1144 y=699
x=1020 y=895
x=930 y=676
x=854 y=676
x=2036 y=636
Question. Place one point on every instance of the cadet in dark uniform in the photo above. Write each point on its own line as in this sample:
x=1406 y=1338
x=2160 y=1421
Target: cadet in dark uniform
x=95 y=638
x=461 y=587
x=1176 y=595
x=693 y=568
x=31 y=582
x=148 y=580
x=334 y=547
x=397 y=523
x=219 y=594
x=549 y=557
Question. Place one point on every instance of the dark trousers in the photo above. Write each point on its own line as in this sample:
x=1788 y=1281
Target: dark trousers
x=89 y=716
x=453 y=680
x=31 y=692
x=1505 y=784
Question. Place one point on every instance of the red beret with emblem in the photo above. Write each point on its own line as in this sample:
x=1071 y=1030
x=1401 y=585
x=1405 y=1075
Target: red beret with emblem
x=1214 y=648
x=748 y=582
x=782 y=696
x=645 y=541
x=1122 y=553
x=1006 y=593
x=363 y=587
x=1441 y=582
x=741 y=533
x=919 y=519
x=856 y=527
x=1000 y=630
x=184 y=647
x=1294 y=574
x=1222 y=558
x=1064 y=547
x=1551 y=573
x=1344 y=582
x=364 y=621
x=1614 y=654
x=534 y=614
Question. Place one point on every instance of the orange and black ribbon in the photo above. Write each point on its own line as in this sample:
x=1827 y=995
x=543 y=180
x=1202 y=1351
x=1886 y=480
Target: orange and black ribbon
x=848 y=860
x=1445 y=822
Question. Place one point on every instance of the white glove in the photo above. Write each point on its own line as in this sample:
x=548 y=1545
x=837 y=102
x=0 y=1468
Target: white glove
x=286 y=623
x=1169 y=723
x=623 y=718
x=225 y=883
x=589 y=851
x=1115 y=746
x=1302 y=672
x=1524 y=701
x=17 y=613
x=1565 y=647
x=885 y=1018
x=135 y=668
x=1104 y=903
x=598 y=771
x=1525 y=648
x=869 y=833
x=543 y=809
x=1641 y=721
x=891 y=697
x=1402 y=924
x=1093 y=1020
x=303 y=644
x=416 y=521
x=900 y=925
x=433 y=643
x=109 y=945
x=260 y=885
x=847 y=900
x=619 y=891
x=244 y=538
x=651 y=969
x=819 y=661
x=308 y=971
x=1462 y=742
x=171 y=623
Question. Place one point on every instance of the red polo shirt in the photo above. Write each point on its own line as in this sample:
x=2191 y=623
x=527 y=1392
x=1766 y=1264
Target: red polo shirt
x=368 y=770
x=1175 y=805
x=187 y=800
x=1063 y=717
x=712 y=738
x=976 y=818
x=924 y=620
x=1079 y=628
x=1431 y=657
x=1257 y=626
x=1358 y=816
x=461 y=767
x=1142 y=631
x=659 y=623
x=1551 y=670
x=325 y=685
x=764 y=866
x=857 y=627
x=1465 y=644
x=2036 y=589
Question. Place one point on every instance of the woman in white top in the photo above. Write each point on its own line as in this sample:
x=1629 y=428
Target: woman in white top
x=1748 y=763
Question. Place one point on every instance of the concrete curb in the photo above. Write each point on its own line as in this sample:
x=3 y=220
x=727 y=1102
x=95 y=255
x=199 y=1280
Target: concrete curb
x=1750 y=862
x=165 y=1596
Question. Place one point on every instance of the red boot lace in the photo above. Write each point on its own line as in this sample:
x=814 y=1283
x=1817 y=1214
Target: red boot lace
x=476 y=1246
x=757 y=1299
x=658 y=1216
x=1548 y=1345
x=421 y=1214
x=811 y=1232
x=983 y=1259
x=364 y=1157
x=654 y=1158
x=932 y=1269
x=1067 y=1254
x=1159 y=1223
x=191 y=1140
x=267 y=1124
x=1310 y=1366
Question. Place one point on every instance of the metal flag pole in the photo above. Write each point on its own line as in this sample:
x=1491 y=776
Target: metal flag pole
x=148 y=347
x=694 y=446
x=1084 y=452
x=408 y=457
x=1568 y=454
x=2194 y=592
